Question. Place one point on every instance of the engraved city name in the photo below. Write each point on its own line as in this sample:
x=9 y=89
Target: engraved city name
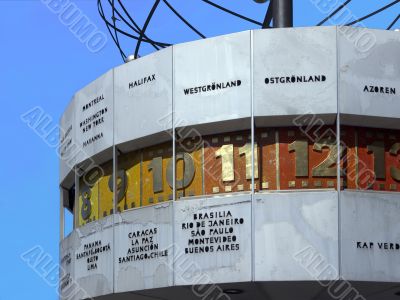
x=211 y=232
x=212 y=87
x=142 y=81
x=91 y=253
x=94 y=118
x=143 y=245
x=378 y=245
x=295 y=79
x=93 y=102
x=379 y=90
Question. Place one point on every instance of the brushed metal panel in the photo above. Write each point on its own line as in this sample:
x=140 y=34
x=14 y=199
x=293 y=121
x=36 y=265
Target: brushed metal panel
x=143 y=97
x=134 y=270
x=67 y=284
x=217 y=260
x=369 y=59
x=282 y=56
x=67 y=145
x=94 y=117
x=94 y=267
x=294 y=231
x=202 y=72
x=370 y=217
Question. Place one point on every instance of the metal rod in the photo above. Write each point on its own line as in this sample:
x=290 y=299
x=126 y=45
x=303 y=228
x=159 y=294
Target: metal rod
x=268 y=16
x=282 y=13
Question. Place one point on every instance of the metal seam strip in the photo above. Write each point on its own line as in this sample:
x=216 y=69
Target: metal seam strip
x=252 y=159
x=173 y=162
x=278 y=180
x=114 y=175
x=338 y=141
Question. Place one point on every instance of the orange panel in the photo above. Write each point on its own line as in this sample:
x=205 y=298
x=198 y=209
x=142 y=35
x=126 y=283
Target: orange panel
x=314 y=172
x=227 y=163
x=375 y=160
x=392 y=161
x=349 y=141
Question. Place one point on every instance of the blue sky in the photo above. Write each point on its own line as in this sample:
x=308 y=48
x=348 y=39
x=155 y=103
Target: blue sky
x=43 y=64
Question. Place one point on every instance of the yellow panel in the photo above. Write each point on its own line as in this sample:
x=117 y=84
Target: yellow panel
x=195 y=187
x=105 y=193
x=155 y=172
x=130 y=163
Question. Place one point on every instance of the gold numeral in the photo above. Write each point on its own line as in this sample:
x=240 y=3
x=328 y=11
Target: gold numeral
x=326 y=169
x=246 y=151
x=226 y=154
x=301 y=150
